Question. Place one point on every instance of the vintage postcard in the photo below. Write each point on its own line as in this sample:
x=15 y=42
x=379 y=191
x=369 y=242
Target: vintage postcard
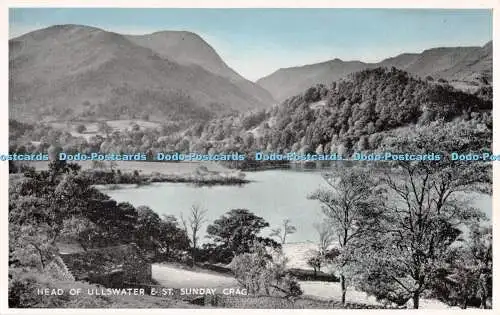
x=247 y=158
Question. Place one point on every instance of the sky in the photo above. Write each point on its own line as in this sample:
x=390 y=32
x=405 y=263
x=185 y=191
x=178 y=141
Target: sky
x=257 y=42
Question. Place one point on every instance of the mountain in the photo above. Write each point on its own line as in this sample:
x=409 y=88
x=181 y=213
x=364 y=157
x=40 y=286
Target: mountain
x=476 y=65
x=73 y=71
x=188 y=48
x=287 y=82
x=451 y=64
x=464 y=67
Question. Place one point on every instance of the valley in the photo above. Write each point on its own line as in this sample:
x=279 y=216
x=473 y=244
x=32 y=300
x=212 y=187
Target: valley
x=308 y=234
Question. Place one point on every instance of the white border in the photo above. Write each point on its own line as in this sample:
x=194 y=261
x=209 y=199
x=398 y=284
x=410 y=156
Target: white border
x=483 y=4
x=261 y=3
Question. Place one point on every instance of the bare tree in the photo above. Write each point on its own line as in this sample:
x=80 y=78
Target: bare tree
x=317 y=257
x=282 y=233
x=326 y=236
x=192 y=226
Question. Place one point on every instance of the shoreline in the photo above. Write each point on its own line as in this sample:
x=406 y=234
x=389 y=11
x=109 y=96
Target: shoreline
x=144 y=173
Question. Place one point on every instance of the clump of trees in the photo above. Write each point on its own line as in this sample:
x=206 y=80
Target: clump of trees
x=80 y=128
x=61 y=203
x=353 y=115
x=400 y=238
x=161 y=235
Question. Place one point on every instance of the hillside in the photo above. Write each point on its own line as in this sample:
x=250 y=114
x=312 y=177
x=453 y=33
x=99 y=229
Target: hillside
x=360 y=113
x=288 y=82
x=365 y=112
x=68 y=71
x=465 y=67
x=188 y=48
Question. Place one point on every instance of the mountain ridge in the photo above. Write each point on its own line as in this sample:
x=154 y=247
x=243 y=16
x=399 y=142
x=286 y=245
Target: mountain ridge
x=446 y=63
x=76 y=71
x=66 y=71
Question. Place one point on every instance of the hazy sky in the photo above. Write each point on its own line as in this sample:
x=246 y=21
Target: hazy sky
x=256 y=42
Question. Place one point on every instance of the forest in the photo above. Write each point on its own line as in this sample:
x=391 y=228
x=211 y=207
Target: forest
x=358 y=114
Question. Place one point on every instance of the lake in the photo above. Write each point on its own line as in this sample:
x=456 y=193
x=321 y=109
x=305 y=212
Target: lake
x=273 y=195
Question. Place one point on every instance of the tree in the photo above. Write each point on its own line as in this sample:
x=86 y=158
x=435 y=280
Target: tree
x=53 y=152
x=80 y=128
x=192 y=226
x=104 y=128
x=148 y=228
x=116 y=222
x=261 y=272
x=161 y=234
x=351 y=209
x=112 y=165
x=281 y=234
x=422 y=222
x=40 y=204
x=98 y=165
x=235 y=232
x=315 y=261
x=80 y=229
x=31 y=245
x=363 y=143
x=467 y=277
x=323 y=253
x=312 y=94
x=172 y=236
x=248 y=140
x=326 y=236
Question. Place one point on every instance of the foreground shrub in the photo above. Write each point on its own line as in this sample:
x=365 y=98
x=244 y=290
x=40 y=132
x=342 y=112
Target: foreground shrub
x=261 y=273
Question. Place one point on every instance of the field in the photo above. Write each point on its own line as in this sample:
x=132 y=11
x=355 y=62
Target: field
x=92 y=127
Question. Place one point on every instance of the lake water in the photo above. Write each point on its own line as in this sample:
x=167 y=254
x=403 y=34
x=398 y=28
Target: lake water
x=273 y=195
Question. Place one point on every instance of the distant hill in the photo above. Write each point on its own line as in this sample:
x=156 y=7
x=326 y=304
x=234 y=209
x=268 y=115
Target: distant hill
x=288 y=82
x=466 y=68
x=68 y=71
